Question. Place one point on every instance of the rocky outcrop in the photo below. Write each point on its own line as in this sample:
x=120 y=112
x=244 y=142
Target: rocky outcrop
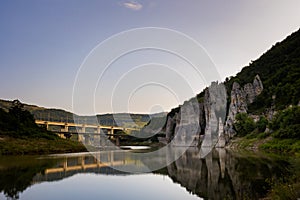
x=187 y=129
x=185 y=125
x=196 y=123
x=215 y=111
x=239 y=100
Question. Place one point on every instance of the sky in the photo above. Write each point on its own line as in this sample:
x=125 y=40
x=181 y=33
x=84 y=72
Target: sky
x=47 y=47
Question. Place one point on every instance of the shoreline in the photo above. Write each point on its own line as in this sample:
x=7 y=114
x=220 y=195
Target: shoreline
x=42 y=146
x=38 y=146
x=268 y=145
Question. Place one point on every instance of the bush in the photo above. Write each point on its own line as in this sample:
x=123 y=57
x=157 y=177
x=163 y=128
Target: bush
x=286 y=124
x=19 y=123
x=262 y=124
x=244 y=124
x=292 y=131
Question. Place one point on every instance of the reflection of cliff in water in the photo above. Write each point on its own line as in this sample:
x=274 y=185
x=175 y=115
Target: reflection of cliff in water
x=225 y=175
x=218 y=174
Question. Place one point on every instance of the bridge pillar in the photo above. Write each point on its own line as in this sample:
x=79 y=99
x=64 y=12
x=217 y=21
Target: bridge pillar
x=47 y=126
x=98 y=129
x=87 y=139
x=82 y=162
x=112 y=158
x=80 y=137
x=111 y=132
x=83 y=128
x=98 y=160
x=65 y=164
x=65 y=128
x=61 y=135
x=118 y=141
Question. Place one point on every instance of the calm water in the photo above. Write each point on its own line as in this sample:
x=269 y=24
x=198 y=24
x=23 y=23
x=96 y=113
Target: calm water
x=219 y=174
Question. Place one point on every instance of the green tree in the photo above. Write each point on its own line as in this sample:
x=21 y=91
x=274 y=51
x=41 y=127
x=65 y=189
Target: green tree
x=262 y=124
x=286 y=123
x=244 y=124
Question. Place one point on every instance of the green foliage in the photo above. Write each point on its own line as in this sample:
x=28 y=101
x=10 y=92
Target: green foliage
x=292 y=131
x=262 y=124
x=244 y=124
x=282 y=145
x=279 y=70
x=18 y=122
x=286 y=123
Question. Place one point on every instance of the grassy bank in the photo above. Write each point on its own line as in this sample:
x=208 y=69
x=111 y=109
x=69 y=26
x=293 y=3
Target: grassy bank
x=20 y=135
x=268 y=144
x=34 y=146
x=281 y=134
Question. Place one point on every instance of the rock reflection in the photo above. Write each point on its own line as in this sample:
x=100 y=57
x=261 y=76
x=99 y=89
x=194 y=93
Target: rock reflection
x=225 y=175
x=216 y=174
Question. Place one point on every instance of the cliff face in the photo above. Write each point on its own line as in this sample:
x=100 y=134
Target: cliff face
x=199 y=122
x=205 y=123
x=183 y=129
x=279 y=70
x=240 y=99
x=215 y=112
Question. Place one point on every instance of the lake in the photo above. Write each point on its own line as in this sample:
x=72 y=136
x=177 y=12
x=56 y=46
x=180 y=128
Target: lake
x=216 y=174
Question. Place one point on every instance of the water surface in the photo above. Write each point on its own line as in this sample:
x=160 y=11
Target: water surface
x=220 y=174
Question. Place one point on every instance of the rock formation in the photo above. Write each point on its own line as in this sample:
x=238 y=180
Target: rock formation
x=187 y=127
x=203 y=122
x=186 y=124
x=215 y=111
x=240 y=98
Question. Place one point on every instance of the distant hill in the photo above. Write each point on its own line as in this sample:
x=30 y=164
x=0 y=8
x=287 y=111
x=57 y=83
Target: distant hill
x=51 y=114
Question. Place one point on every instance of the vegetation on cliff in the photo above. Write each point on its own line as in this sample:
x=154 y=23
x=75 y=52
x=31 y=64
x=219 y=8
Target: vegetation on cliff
x=282 y=135
x=279 y=70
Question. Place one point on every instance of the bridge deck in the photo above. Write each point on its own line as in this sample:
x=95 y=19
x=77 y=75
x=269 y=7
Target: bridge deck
x=42 y=122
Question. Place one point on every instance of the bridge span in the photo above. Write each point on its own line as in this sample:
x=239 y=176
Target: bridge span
x=84 y=131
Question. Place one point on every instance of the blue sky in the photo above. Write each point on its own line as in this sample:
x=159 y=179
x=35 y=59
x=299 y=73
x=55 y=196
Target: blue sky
x=43 y=43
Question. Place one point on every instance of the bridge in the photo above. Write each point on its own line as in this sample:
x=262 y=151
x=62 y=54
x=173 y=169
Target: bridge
x=84 y=131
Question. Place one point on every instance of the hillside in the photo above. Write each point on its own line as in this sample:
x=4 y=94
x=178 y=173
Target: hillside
x=267 y=86
x=51 y=114
x=279 y=70
x=19 y=134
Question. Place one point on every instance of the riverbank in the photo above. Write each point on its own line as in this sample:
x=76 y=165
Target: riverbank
x=38 y=146
x=268 y=144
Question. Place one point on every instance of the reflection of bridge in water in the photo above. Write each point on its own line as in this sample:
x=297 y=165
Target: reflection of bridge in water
x=108 y=162
x=88 y=161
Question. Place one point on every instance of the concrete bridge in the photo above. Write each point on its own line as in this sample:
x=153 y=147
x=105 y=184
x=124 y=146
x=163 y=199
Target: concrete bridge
x=82 y=127
x=84 y=131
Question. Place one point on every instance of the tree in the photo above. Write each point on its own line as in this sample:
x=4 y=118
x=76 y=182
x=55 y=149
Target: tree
x=262 y=124
x=244 y=124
